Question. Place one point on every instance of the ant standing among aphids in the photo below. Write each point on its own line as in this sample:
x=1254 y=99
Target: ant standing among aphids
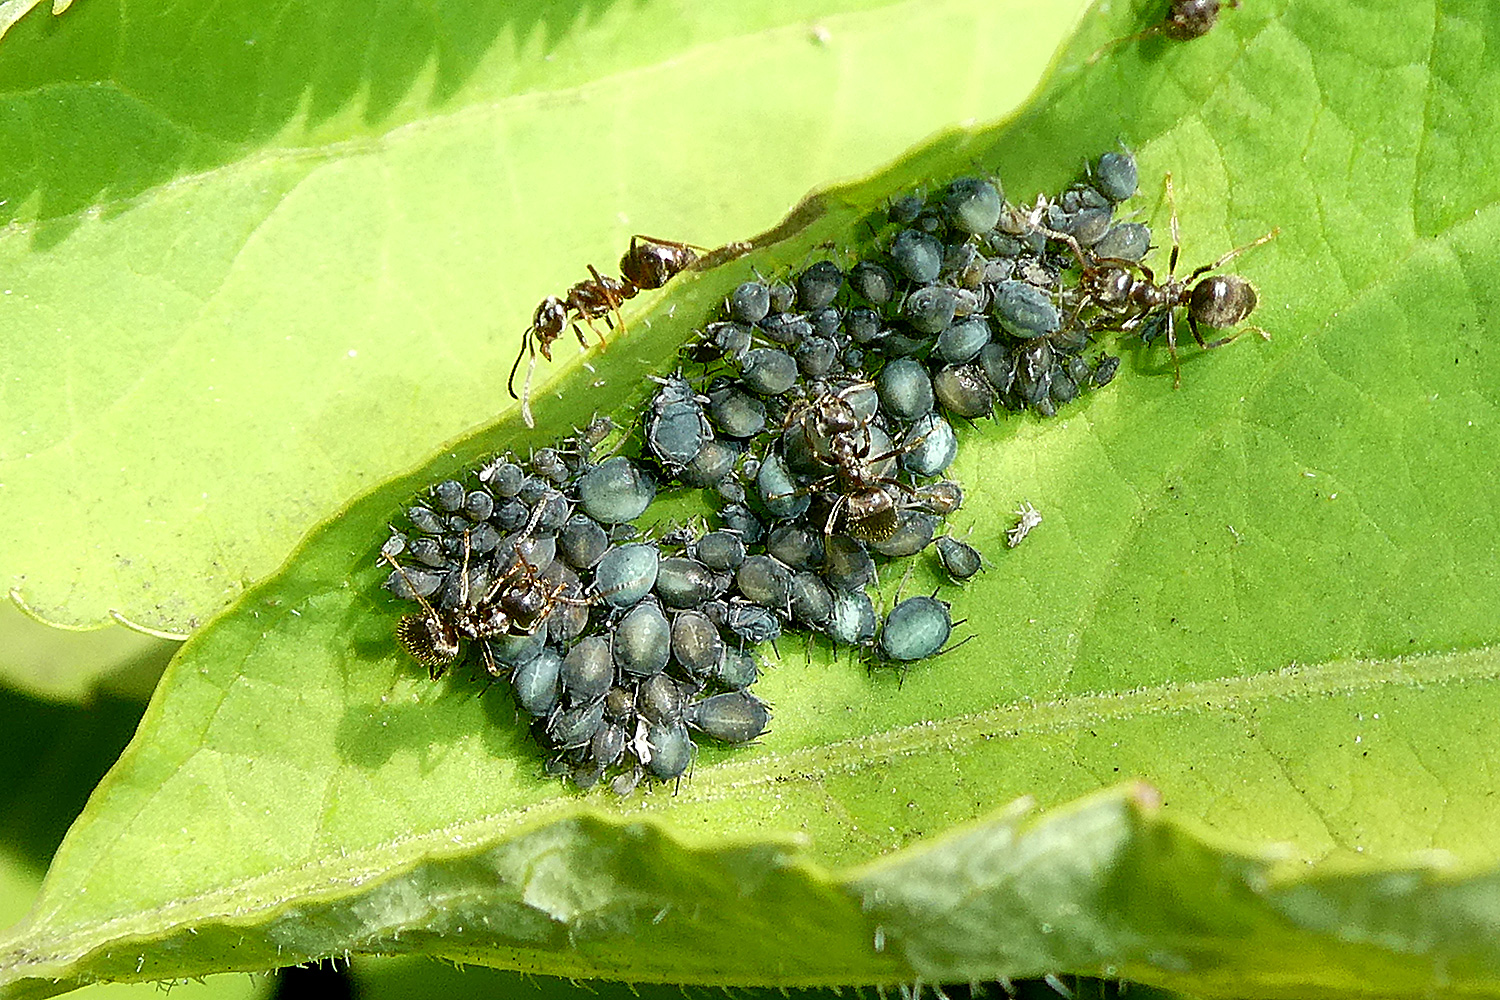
x=649 y=264
x=1128 y=300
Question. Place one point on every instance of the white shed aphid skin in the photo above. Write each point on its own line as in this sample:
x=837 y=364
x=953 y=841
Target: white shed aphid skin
x=1030 y=517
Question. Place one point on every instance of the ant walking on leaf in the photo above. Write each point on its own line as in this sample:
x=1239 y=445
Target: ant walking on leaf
x=649 y=264
x=1132 y=300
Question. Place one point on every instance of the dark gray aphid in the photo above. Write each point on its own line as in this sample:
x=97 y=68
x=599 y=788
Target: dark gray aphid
x=1063 y=389
x=626 y=574
x=736 y=413
x=905 y=389
x=853 y=622
x=959 y=559
x=846 y=564
x=819 y=285
x=929 y=446
x=872 y=282
x=714 y=463
x=671 y=750
x=676 y=427
x=731 y=339
x=767 y=371
x=796 y=545
x=765 y=581
x=660 y=699
x=430 y=551
x=721 y=550
x=410 y=583
x=479 y=505
x=742 y=521
x=1116 y=175
x=736 y=669
x=914 y=532
x=684 y=583
x=576 y=727
x=931 y=308
x=973 y=204
x=778 y=491
x=750 y=302
x=642 y=640
x=425 y=521
x=536 y=683
x=548 y=464
x=816 y=357
x=811 y=599
x=1124 y=241
x=963 y=340
x=1034 y=367
x=615 y=490
x=751 y=622
x=449 y=495
x=1023 y=310
x=864 y=326
x=582 y=542
x=514 y=650
x=904 y=210
x=588 y=671
x=917 y=255
x=734 y=717
x=608 y=745
x=503 y=477
x=696 y=643
x=783 y=297
x=964 y=391
x=916 y=629
x=786 y=329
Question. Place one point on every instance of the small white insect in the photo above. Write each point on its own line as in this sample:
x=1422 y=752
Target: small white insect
x=1029 y=518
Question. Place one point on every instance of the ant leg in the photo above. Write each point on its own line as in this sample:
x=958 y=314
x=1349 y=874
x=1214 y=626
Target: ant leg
x=1231 y=255
x=526 y=345
x=1176 y=238
x=1172 y=348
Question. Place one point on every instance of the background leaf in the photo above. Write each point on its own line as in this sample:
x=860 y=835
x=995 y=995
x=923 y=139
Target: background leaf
x=1271 y=593
x=259 y=263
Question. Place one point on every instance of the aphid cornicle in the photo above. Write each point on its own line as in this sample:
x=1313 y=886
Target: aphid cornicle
x=1132 y=301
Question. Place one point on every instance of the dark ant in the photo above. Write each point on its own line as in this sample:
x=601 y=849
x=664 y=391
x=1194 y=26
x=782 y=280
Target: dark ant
x=517 y=603
x=865 y=505
x=649 y=263
x=1222 y=300
x=1185 y=21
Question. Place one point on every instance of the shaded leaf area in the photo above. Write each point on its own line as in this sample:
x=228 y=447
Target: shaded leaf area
x=66 y=665
x=267 y=258
x=1271 y=594
x=1104 y=885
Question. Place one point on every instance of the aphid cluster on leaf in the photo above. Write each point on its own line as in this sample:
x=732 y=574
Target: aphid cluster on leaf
x=822 y=412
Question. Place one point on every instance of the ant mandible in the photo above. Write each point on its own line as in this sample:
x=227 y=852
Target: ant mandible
x=1220 y=301
x=649 y=264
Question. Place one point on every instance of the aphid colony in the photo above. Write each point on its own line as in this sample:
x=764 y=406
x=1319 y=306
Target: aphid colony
x=819 y=411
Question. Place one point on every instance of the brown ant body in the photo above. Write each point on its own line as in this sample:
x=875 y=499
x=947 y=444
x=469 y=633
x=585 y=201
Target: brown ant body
x=518 y=602
x=1185 y=21
x=866 y=504
x=1129 y=299
x=649 y=264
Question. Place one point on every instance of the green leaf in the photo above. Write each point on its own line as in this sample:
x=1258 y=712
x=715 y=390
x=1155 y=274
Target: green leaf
x=1271 y=594
x=257 y=265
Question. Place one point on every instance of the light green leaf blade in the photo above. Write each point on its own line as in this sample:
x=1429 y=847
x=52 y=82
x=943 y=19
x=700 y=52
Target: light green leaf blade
x=257 y=265
x=1292 y=659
